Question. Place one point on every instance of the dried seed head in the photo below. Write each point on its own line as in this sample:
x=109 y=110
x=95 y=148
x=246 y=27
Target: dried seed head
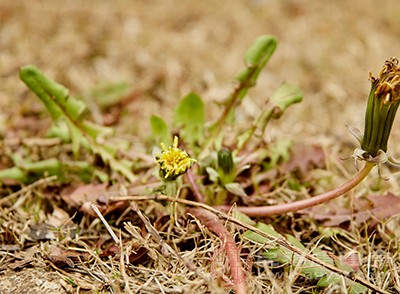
x=387 y=86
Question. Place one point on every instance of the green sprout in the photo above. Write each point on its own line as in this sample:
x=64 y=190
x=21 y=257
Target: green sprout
x=226 y=167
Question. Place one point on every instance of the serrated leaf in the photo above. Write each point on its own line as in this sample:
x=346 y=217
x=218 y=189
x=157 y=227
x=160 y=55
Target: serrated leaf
x=160 y=131
x=260 y=239
x=106 y=153
x=242 y=217
x=53 y=95
x=189 y=115
x=68 y=111
x=60 y=130
x=309 y=269
x=50 y=166
x=30 y=76
x=95 y=130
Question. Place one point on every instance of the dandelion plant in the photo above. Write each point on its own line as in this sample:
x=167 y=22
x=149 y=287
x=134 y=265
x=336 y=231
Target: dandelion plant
x=383 y=102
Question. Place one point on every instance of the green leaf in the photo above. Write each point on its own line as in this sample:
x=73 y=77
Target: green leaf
x=236 y=189
x=160 y=131
x=53 y=95
x=281 y=99
x=189 y=115
x=259 y=239
x=110 y=94
x=76 y=137
x=213 y=174
x=261 y=50
x=308 y=268
x=13 y=173
x=285 y=96
x=256 y=58
x=49 y=166
x=68 y=111
x=279 y=151
x=95 y=130
x=31 y=76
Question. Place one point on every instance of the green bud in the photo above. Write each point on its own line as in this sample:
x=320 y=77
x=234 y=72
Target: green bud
x=226 y=166
x=383 y=102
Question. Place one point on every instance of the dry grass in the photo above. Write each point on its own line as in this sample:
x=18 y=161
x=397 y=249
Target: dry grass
x=163 y=50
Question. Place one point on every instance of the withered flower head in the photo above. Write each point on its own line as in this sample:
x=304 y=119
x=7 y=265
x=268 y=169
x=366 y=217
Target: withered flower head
x=173 y=161
x=383 y=102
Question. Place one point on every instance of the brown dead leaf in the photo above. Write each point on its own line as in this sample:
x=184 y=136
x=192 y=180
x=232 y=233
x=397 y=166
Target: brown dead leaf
x=62 y=257
x=84 y=193
x=58 y=218
x=374 y=208
x=20 y=264
x=305 y=158
x=82 y=196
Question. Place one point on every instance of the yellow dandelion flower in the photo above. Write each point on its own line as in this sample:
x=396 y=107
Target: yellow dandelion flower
x=173 y=161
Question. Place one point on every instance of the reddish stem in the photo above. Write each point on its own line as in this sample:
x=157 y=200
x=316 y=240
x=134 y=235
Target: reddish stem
x=260 y=211
x=199 y=197
x=214 y=224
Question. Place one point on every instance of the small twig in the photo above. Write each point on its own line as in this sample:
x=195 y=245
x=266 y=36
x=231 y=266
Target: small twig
x=103 y=220
x=279 y=241
x=260 y=211
x=213 y=223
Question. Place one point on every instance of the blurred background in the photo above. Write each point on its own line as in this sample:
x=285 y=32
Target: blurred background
x=165 y=49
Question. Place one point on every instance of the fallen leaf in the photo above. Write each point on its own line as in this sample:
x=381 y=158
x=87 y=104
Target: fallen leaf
x=58 y=217
x=62 y=257
x=374 y=208
x=84 y=193
x=305 y=159
x=20 y=264
x=81 y=198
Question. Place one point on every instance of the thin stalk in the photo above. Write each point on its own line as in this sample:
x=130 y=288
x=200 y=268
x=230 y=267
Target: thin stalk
x=172 y=189
x=260 y=211
x=196 y=192
x=105 y=223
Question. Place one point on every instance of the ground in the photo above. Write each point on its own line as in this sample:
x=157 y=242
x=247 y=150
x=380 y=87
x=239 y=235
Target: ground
x=166 y=49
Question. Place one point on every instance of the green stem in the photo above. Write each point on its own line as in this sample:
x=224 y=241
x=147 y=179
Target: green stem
x=261 y=211
x=171 y=188
x=232 y=101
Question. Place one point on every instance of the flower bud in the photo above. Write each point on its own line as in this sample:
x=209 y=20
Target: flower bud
x=383 y=102
x=225 y=165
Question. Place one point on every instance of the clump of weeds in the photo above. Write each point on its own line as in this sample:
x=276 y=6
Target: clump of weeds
x=200 y=206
